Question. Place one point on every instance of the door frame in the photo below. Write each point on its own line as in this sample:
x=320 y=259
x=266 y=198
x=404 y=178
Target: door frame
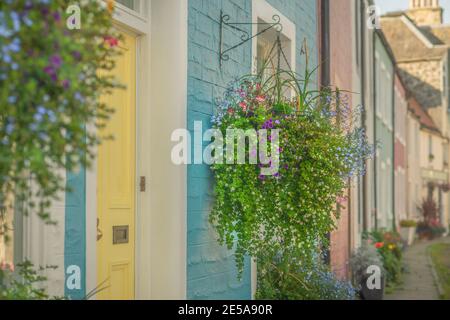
x=161 y=232
x=125 y=20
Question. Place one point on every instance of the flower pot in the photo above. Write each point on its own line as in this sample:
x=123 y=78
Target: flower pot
x=407 y=234
x=371 y=294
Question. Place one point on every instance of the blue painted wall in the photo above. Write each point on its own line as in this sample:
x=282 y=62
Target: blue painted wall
x=75 y=231
x=211 y=272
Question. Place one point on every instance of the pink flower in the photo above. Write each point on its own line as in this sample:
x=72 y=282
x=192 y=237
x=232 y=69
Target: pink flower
x=243 y=105
x=341 y=200
x=113 y=42
x=260 y=99
x=230 y=111
x=7 y=266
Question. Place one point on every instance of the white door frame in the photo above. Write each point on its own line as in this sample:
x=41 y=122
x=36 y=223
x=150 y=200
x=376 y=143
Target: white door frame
x=161 y=107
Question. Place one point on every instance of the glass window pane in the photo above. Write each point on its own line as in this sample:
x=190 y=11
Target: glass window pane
x=132 y=4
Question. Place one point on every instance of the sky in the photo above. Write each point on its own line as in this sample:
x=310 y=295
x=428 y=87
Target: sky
x=395 y=5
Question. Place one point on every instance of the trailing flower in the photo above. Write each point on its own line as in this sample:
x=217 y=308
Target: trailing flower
x=51 y=79
x=320 y=150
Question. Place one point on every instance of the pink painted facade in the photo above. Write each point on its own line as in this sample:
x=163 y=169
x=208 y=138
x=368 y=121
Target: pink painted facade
x=400 y=158
x=341 y=59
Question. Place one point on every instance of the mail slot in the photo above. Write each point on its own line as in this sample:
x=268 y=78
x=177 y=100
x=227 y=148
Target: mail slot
x=120 y=234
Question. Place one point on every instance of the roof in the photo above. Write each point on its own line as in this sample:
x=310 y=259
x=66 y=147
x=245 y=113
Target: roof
x=423 y=116
x=439 y=35
x=407 y=41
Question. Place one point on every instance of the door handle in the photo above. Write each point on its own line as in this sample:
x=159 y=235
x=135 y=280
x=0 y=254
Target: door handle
x=99 y=231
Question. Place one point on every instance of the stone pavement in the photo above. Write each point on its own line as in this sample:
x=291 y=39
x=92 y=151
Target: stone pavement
x=418 y=280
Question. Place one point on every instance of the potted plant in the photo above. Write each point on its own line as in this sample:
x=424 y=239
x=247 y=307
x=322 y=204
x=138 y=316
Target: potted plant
x=430 y=228
x=363 y=263
x=407 y=230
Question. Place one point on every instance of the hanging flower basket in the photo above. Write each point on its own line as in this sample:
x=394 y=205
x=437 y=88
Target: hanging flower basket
x=284 y=199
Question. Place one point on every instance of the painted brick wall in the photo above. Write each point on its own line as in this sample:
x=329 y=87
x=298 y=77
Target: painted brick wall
x=211 y=272
x=304 y=15
x=341 y=60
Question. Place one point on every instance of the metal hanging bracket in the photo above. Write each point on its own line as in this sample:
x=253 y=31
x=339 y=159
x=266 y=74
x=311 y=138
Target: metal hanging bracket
x=245 y=35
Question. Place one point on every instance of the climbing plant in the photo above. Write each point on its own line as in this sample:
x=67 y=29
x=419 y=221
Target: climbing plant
x=52 y=74
x=291 y=211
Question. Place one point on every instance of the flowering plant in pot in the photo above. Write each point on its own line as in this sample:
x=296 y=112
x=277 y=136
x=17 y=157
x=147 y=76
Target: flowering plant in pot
x=364 y=263
x=407 y=230
x=389 y=246
x=284 y=202
x=430 y=227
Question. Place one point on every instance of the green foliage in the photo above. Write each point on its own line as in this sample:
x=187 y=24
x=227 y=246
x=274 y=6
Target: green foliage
x=440 y=254
x=364 y=257
x=408 y=224
x=389 y=246
x=51 y=79
x=291 y=277
x=294 y=209
x=23 y=284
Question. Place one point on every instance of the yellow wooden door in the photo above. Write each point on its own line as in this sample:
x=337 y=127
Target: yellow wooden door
x=116 y=184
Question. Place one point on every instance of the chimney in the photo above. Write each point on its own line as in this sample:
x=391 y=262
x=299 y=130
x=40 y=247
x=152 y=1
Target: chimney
x=425 y=12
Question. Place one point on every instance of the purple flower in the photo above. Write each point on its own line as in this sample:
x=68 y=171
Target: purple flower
x=51 y=72
x=261 y=177
x=56 y=61
x=44 y=11
x=66 y=84
x=57 y=16
x=76 y=55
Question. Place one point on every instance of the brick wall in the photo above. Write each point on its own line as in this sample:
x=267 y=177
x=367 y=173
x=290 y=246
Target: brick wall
x=211 y=272
x=341 y=77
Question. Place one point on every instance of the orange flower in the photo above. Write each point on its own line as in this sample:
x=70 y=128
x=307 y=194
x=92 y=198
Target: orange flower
x=379 y=245
x=110 y=5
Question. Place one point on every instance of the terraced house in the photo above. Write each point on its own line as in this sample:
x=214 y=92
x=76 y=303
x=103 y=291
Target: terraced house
x=137 y=224
x=137 y=221
x=420 y=44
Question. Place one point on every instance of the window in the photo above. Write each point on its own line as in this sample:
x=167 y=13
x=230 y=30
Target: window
x=265 y=51
x=445 y=148
x=430 y=147
x=138 y=6
x=377 y=86
x=132 y=4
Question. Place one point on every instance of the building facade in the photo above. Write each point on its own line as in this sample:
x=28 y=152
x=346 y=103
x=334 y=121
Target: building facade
x=384 y=73
x=136 y=224
x=400 y=152
x=420 y=44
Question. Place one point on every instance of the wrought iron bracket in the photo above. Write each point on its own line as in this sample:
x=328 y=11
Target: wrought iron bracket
x=245 y=35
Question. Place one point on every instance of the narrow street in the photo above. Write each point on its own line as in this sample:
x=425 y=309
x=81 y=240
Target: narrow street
x=418 y=280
